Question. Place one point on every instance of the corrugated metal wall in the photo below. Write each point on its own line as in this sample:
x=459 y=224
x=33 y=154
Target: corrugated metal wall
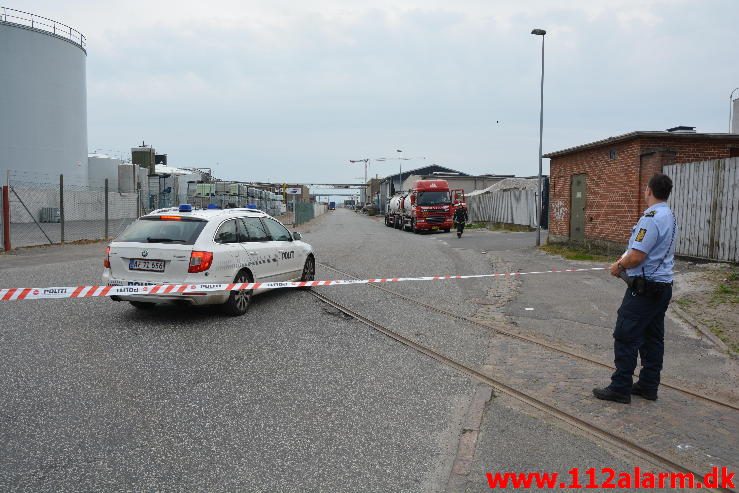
x=510 y=206
x=705 y=200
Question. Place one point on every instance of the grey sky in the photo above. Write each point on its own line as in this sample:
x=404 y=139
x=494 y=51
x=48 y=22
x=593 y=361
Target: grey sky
x=290 y=90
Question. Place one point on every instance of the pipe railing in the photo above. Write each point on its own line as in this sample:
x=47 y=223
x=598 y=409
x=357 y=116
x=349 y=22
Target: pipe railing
x=13 y=16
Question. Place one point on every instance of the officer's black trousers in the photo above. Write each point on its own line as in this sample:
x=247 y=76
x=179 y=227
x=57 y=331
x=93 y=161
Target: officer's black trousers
x=640 y=330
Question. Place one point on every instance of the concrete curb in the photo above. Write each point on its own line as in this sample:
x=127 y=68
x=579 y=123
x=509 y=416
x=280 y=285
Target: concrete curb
x=467 y=445
x=705 y=331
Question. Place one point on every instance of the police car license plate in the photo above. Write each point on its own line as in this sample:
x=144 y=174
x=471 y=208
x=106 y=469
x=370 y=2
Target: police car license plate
x=146 y=265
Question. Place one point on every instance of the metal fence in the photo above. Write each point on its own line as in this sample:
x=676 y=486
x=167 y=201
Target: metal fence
x=44 y=210
x=13 y=16
x=705 y=200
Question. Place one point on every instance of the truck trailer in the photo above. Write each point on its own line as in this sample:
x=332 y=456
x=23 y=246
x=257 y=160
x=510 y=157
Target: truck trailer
x=428 y=206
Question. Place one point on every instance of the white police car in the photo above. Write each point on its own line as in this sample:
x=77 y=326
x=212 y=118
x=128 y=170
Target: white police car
x=186 y=246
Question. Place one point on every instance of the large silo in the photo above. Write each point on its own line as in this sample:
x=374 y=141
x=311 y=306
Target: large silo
x=43 y=99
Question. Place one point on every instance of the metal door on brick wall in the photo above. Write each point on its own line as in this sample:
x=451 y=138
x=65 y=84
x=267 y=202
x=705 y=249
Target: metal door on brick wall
x=577 y=209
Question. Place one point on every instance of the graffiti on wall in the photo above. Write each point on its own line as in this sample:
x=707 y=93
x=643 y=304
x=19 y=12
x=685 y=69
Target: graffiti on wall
x=559 y=210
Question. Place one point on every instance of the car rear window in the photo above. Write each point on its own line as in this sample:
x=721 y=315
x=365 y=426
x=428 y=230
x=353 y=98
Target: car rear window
x=183 y=231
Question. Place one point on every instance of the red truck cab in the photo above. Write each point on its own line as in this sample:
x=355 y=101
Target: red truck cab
x=433 y=205
x=428 y=206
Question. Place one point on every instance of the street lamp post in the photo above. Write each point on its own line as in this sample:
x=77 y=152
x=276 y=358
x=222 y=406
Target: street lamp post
x=542 y=33
x=366 y=162
x=731 y=108
x=400 y=170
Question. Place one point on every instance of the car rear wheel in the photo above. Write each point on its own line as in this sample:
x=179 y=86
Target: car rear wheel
x=239 y=301
x=142 y=305
x=309 y=271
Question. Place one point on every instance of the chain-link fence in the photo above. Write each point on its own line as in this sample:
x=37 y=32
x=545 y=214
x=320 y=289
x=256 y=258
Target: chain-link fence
x=305 y=211
x=45 y=209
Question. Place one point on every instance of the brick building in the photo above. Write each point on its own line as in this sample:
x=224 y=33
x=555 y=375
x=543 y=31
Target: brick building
x=596 y=189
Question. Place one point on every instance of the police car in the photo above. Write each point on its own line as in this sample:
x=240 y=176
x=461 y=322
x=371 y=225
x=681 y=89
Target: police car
x=186 y=246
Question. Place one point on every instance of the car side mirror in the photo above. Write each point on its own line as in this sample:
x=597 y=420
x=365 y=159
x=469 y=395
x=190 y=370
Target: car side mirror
x=297 y=236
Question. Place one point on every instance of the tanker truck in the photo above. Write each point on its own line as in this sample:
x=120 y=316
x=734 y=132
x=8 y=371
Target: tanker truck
x=428 y=206
x=394 y=212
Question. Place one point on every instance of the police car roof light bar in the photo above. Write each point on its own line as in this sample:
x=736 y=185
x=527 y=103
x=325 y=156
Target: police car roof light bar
x=164 y=209
x=245 y=209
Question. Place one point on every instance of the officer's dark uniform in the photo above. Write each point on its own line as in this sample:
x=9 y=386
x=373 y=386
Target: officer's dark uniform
x=640 y=327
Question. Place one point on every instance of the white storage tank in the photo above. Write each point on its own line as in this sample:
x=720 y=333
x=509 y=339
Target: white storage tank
x=43 y=101
x=100 y=167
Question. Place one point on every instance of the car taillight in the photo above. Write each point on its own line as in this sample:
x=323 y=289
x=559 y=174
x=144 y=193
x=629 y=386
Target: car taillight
x=106 y=259
x=200 y=261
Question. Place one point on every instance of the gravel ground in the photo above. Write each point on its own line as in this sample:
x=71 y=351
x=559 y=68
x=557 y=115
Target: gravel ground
x=709 y=294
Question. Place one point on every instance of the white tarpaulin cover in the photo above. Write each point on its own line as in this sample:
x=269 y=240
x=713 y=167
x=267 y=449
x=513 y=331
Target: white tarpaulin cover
x=510 y=201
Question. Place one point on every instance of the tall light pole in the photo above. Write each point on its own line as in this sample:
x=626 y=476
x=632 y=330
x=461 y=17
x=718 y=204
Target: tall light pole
x=731 y=108
x=400 y=170
x=540 y=32
x=366 y=162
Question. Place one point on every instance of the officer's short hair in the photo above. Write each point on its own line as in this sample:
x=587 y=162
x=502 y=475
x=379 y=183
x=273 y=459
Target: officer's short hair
x=661 y=186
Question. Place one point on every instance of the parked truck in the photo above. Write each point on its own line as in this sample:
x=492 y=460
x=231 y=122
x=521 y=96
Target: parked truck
x=332 y=206
x=428 y=206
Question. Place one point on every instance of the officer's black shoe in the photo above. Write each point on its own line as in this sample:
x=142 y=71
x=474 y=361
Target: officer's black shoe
x=650 y=395
x=606 y=394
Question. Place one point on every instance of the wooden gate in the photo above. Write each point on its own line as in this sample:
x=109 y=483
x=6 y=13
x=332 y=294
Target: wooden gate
x=705 y=200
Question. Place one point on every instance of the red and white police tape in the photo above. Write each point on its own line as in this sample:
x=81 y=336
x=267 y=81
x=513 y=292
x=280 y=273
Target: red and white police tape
x=14 y=294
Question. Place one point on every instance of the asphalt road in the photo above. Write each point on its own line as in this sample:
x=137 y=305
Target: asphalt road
x=292 y=397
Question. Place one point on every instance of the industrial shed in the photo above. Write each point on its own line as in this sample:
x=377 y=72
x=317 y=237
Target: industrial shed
x=509 y=201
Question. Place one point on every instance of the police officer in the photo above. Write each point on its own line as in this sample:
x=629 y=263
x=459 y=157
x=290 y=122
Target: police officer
x=640 y=326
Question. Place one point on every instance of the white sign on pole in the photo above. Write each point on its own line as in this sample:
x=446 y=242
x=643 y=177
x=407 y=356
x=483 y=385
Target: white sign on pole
x=293 y=191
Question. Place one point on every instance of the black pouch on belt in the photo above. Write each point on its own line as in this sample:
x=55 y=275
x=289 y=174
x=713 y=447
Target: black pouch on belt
x=638 y=285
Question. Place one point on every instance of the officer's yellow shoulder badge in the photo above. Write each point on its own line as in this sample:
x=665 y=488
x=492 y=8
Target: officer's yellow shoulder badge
x=650 y=214
x=640 y=235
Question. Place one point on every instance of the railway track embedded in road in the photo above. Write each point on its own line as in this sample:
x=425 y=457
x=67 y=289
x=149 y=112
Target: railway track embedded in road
x=590 y=429
x=533 y=340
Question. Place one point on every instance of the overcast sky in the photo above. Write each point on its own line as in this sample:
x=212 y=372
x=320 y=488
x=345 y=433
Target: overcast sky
x=291 y=90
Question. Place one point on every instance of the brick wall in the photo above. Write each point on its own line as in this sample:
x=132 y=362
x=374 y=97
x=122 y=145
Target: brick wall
x=651 y=162
x=611 y=190
x=614 y=187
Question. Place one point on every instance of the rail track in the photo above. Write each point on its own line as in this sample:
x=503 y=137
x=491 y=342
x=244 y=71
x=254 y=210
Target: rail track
x=597 y=432
x=534 y=340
